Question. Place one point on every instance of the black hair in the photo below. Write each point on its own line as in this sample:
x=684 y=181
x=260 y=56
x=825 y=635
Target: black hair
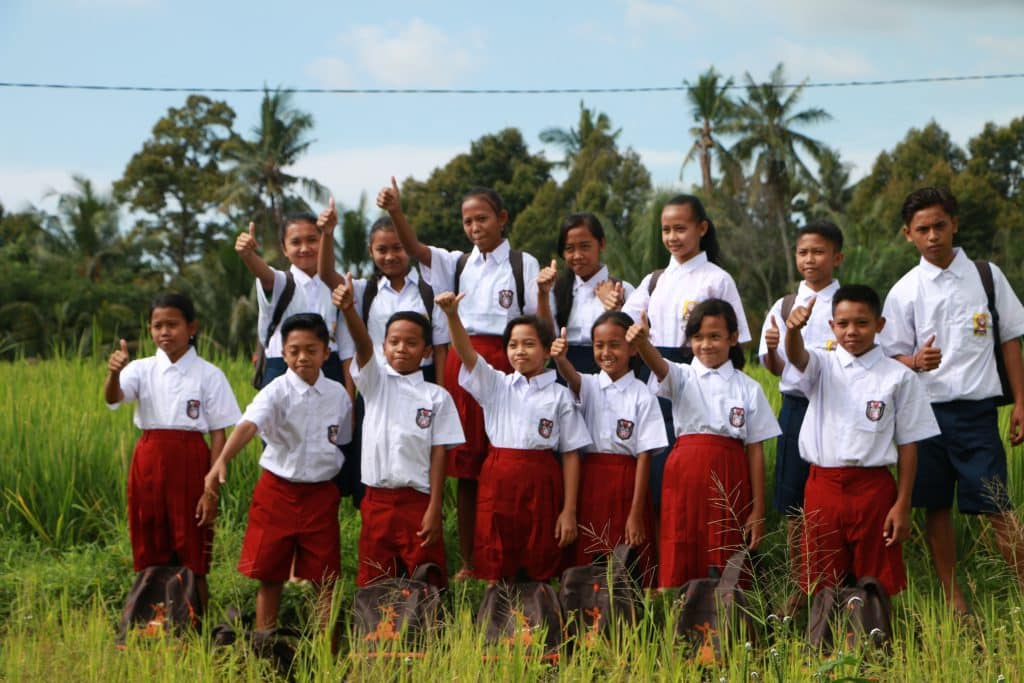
x=926 y=197
x=313 y=322
x=624 y=321
x=412 y=317
x=824 y=229
x=493 y=199
x=175 y=300
x=544 y=331
x=709 y=242
x=292 y=218
x=723 y=309
x=575 y=220
x=861 y=294
x=382 y=224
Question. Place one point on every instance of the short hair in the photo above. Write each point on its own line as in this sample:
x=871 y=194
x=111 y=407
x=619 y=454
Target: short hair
x=174 y=300
x=926 y=197
x=313 y=322
x=413 y=317
x=826 y=230
x=723 y=309
x=544 y=331
x=293 y=218
x=575 y=220
x=861 y=294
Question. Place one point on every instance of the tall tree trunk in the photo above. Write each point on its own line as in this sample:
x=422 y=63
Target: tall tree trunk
x=705 y=156
x=780 y=193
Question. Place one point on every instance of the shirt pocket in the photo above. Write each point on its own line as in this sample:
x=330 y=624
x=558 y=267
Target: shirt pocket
x=732 y=415
x=876 y=411
x=543 y=426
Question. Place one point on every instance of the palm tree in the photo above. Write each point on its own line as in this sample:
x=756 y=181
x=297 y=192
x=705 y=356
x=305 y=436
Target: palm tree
x=711 y=108
x=86 y=229
x=573 y=140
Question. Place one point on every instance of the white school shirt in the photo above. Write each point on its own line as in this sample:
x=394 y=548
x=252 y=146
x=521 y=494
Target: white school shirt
x=311 y=296
x=860 y=408
x=191 y=395
x=721 y=401
x=621 y=415
x=490 y=287
x=817 y=333
x=586 y=306
x=405 y=417
x=302 y=425
x=537 y=414
x=951 y=304
x=389 y=301
x=679 y=288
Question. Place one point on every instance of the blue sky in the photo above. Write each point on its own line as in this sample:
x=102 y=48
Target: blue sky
x=362 y=139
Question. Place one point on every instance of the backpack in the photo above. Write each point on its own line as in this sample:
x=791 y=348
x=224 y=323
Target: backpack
x=515 y=259
x=163 y=601
x=862 y=612
x=370 y=293
x=985 y=273
x=511 y=614
x=714 y=608
x=564 y=296
x=788 y=302
x=395 y=608
x=275 y=320
x=592 y=595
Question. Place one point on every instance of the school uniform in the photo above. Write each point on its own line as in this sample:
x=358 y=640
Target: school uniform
x=311 y=296
x=176 y=403
x=294 y=509
x=967 y=457
x=707 y=493
x=790 y=469
x=623 y=420
x=405 y=417
x=586 y=308
x=491 y=302
x=860 y=409
x=521 y=490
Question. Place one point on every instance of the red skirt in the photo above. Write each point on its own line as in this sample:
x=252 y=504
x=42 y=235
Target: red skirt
x=605 y=499
x=464 y=460
x=844 y=515
x=705 y=501
x=391 y=518
x=518 y=503
x=165 y=483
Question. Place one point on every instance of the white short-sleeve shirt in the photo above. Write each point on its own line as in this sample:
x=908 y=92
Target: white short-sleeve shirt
x=817 y=333
x=622 y=415
x=311 y=296
x=534 y=414
x=951 y=304
x=860 y=408
x=679 y=288
x=721 y=401
x=191 y=395
x=405 y=417
x=586 y=306
x=303 y=425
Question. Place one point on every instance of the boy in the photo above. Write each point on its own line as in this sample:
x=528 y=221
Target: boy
x=941 y=327
x=410 y=422
x=303 y=417
x=865 y=413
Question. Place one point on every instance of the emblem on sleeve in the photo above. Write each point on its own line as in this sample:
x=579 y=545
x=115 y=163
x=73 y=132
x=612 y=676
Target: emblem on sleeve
x=192 y=409
x=737 y=417
x=545 y=427
x=332 y=434
x=424 y=416
x=624 y=429
x=981 y=324
x=505 y=298
x=875 y=410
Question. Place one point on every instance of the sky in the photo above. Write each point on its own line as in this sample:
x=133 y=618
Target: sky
x=361 y=140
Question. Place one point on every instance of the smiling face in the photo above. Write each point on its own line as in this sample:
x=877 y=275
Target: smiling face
x=404 y=346
x=483 y=226
x=612 y=352
x=681 y=231
x=304 y=354
x=931 y=230
x=171 y=331
x=816 y=259
x=712 y=341
x=388 y=254
x=582 y=252
x=301 y=245
x=526 y=352
x=855 y=325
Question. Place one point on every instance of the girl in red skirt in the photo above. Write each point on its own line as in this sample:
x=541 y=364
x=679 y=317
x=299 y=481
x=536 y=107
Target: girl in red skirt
x=625 y=427
x=526 y=508
x=179 y=398
x=713 y=493
x=499 y=283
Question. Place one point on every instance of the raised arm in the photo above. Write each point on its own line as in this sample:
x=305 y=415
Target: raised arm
x=389 y=200
x=795 y=350
x=772 y=360
x=327 y=221
x=112 y=385
x=559 y=347
x=343 y=297
x=449 y=303
x=639 y=335
x=246 y=246
x=545 y=281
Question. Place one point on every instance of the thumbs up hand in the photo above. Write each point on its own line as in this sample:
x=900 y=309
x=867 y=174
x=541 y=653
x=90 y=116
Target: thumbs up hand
x=560 y=346
x=343 y=296
x=119 y=359
x=389 y=198
x=328 y=218
x=639 y=333
x=611 y=294
x=771 y=335
x=929 y=357
x=546 y=278
x=246 y=242
x=799 y=316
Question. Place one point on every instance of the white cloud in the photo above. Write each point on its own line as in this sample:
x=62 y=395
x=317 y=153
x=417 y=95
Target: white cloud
x=819 y=62
x=416 y=55
x=999 y=46
x=643 y=13
x=21 y=187
x=332 y=72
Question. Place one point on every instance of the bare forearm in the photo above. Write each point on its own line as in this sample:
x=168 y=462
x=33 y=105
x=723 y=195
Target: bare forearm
x=260 y=270
x=1014 y=368
x=325 y=266
x=112 y=388
x=643 y=475
x=906 y=470
x=652 y=358
x=360 y=335
x=755 y=462
x=460 y=341
x=242 y=434
x=773 y=362
x=544 y=310
x=217 y=440
x=570 y=480
x=440 y=358
x=795 y=350
x=407 y=236
x=438 y=465
x=568 y=372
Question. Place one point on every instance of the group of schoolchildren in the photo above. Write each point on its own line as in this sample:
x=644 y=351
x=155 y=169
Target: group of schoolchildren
x=555 y=468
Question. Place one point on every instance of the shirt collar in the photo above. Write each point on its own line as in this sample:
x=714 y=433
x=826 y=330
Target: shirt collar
x=411 y=278
x=498 y=255
x=867 y=360
x=412 y=377
x=538 y=382
x=725 y=370
x=597 y=278
x=959 y=266
x=689 y=266
x=803 y=292
x=604 y=381
x=301 y=279
x=163 y=361
x=301 y=386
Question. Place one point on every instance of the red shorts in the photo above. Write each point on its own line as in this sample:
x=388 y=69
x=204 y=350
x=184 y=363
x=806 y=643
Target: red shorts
x=290 y=520
x=165 y=483
x=464 y=460
x=517 y=506
x=705 y=502
x=391 y=518
x=605 y=498
x=844 y=517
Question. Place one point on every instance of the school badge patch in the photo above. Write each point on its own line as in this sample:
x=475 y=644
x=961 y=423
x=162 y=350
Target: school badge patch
x=875 y=410
x=688 y=307
x=981 y=324
x=737 y=417
x=624 y=429
x=545 y=427
x=831 y=345
x=192 y=409
x=424 y=416
x=505 y=298
x=332 y=434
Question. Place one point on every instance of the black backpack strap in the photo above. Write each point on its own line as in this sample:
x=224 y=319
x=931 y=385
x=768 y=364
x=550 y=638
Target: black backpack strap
x=788 y=302
x=563 y=297
x=988 y=283
x=427 y=295
x=515 y=259
x=653 y=282
x=282 y=304
x=460 y=266
x=369 y=294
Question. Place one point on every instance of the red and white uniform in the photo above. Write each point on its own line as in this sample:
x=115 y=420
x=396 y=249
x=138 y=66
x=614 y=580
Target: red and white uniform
x=311 y=296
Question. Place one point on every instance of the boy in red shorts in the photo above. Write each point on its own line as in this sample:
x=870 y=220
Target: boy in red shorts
x=303 y=417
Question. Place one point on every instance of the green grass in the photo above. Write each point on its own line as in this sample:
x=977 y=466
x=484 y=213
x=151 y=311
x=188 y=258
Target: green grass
x=65 y=568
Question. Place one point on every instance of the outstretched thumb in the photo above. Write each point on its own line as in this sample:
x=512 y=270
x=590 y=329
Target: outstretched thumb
x=554 y=264
x=775 y=325
x=810 y=304
x=394 y=184
x=643 y=319
x=348 y=279
x=931 y=340
x=252 y=230
x=330 y=204
x=460 y=296
x=565 y=334
x=124 y=346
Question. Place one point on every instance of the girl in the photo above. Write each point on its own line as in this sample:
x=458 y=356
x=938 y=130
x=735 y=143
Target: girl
x=500 y=283
x=179 y=397
x=299 y=290
x=713 y=497
x=526 y=510
x=625 y=426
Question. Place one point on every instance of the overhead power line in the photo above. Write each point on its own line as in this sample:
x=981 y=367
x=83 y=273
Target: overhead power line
x=497 y=91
